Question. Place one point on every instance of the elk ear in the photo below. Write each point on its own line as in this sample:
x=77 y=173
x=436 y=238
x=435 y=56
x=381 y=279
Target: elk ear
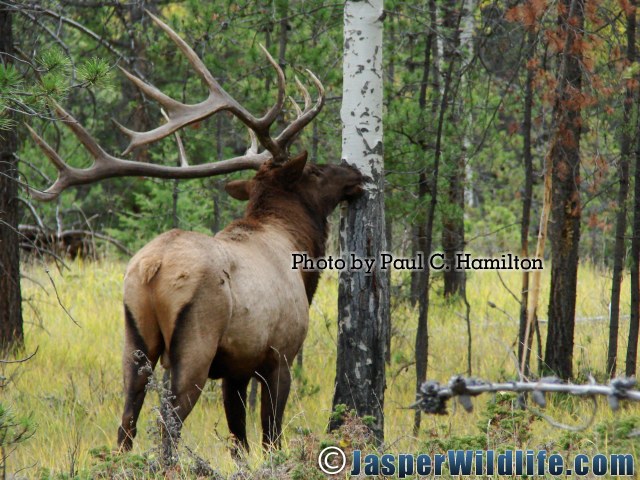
x=292 y=170
x=239 y=189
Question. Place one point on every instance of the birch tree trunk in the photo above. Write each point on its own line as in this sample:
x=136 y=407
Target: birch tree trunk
x=363 y=300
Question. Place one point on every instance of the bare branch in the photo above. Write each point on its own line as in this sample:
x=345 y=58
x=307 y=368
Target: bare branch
x=433 y=397
x=22 y=360
x=39 y=9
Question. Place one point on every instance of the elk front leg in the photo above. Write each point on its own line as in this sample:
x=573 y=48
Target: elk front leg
x=234 y=394
x=275 y=391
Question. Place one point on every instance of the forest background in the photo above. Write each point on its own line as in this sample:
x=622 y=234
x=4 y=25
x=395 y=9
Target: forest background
x=487 y=105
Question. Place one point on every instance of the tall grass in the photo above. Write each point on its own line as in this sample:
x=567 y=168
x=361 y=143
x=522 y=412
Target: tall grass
x=73 y=390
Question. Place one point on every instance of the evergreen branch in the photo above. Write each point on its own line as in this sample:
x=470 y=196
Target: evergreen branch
x=78 y=26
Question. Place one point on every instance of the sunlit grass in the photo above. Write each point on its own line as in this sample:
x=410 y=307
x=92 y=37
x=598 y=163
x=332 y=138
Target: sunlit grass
x=73 y=390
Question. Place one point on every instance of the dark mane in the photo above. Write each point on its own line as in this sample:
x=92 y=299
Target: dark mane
x=291 y=210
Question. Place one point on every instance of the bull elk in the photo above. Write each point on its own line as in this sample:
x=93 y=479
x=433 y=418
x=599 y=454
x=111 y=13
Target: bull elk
x=228 y=306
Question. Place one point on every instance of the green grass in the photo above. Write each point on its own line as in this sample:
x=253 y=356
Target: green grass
x=72 y=388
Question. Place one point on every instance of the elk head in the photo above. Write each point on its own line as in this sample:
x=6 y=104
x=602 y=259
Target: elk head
x=319 y=187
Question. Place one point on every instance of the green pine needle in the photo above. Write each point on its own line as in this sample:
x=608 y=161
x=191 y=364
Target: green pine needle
x=55 y=61
x=10 y=79
x=95 y=72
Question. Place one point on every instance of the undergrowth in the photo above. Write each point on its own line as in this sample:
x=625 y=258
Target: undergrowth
x=71 y=391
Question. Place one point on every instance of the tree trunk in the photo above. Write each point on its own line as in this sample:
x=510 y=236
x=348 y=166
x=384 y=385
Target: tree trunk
x=623 y=191
x=418 y=231
x=415 y=289
x=426 y=233
x=527 y=199
x=141 y=119
x=11 y=333
x=282 y=10
x=423 y=232
x=424 y=242
x=363 y=300
x=564 y=232
x=453 y=220
x=634 y=325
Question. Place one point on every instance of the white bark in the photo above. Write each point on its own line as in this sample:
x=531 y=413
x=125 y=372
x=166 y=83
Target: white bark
x=363 y=300
x=361 y=111
x=466 y=47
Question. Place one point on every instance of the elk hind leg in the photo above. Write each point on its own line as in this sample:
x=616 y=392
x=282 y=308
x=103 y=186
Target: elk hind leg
x=234 y=394
x=138 y=361
x=275 y=391
x=190 y=354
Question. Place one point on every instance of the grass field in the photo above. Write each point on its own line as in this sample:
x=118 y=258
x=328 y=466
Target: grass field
x=71 y=390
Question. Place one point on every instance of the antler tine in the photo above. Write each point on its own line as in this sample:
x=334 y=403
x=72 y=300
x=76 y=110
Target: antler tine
x=171 y=105
x=307 y=105
x=305 y=93
x=253 y=147
x=296 y=107
x=290 y=133
x=182 y=153
x=274 y=111
x=85 y=137
x=197 y=64
x=54 y=190
x=68 y=175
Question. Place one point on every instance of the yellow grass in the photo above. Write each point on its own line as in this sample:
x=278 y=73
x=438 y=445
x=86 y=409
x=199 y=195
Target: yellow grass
x=72 y=387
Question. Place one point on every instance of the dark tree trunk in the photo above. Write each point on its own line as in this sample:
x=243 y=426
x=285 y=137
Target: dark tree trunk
x=423 y=232
x=621 y=214
x=418 y=230
x=216 y=185
x=454 y=173
x=564 y=231
x=282 y=10
x=11 y=333
x=140 y=119
x=416 y=277
x=632 y=348
x=363 y=309
x=175 y=196
x=424 y=242
x=453 y=233
x=527 y=199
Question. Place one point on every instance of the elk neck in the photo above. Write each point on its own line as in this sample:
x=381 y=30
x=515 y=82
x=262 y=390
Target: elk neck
x=306 y=227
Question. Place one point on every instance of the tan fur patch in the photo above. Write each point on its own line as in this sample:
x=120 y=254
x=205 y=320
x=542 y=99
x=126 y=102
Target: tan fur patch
x=149 y=267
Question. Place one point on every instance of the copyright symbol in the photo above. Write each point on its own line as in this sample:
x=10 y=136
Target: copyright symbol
x=327 y=465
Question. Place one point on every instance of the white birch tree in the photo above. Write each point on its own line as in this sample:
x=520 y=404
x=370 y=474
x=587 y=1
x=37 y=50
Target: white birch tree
x=363 y=301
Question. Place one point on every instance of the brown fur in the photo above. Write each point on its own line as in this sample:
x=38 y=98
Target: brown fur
x=230 y=306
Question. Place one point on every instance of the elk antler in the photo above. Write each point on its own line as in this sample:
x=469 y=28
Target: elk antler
x=179 y=115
